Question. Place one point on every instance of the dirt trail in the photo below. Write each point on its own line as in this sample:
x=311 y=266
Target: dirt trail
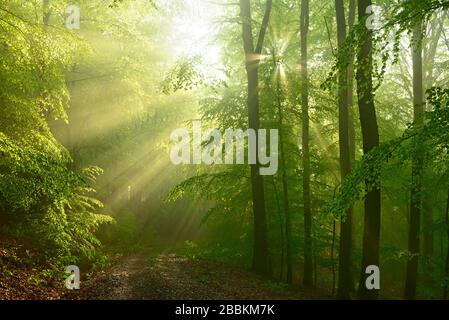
x=138 y=278
x=170 y=277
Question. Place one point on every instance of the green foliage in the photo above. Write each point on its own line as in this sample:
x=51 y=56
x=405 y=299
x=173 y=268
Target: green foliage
x=30 y=177
x=32 y=75
x=231 y=254
x=183 y=76
x=124 y=233
x=434 y=135
x=41 y=198
x=47 y=202
x=110 y=93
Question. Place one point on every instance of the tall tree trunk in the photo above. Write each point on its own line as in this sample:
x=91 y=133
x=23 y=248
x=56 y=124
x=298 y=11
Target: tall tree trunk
x=417 y=167
x=304 y=30
x=345 y=285
x=288 y=224
x=431 y=51
x=370 y=133
x=281 y=230
x=352 y=144
x=334 y=229
x=261 y=263
x=446 y=269
x=428 y=73
x=428 y=226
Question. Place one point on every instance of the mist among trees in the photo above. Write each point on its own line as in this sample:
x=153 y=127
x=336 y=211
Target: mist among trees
x=356 y=91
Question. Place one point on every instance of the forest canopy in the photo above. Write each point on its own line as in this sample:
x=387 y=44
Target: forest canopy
x=339 y=109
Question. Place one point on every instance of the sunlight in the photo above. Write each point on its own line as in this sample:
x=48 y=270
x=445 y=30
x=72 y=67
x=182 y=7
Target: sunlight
x=224 y=150
x=194 y=32
x=282 y=73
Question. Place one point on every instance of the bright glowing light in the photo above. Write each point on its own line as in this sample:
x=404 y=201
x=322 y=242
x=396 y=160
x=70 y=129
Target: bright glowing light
x=195 y=32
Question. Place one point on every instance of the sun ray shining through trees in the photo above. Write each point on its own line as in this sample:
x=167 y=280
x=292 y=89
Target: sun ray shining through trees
x=224 y=149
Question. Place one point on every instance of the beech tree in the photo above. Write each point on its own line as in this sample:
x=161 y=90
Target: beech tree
x=261 y=259
x=370 y=133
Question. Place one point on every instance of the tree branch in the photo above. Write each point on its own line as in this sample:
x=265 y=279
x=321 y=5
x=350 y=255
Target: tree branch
x=264 y=26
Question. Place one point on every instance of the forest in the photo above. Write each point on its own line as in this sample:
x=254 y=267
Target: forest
x=224 y=149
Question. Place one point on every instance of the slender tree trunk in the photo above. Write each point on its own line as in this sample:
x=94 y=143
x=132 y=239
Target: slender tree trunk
x=281 y=231
x=428 y=226
x=430 y=53
x=428 y=74
x=352 y=144
x=345 y=285
x=334 y=229
x=288 y=225
x=315 y=262
x=417 y=167
x=304 y=30
x=370 y=133
x=261 y=263
x=446 y=269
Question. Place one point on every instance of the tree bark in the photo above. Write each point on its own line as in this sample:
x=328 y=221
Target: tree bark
x=429 y=54
x=352 y=143
x=281 y=230
x=304 y=30
x=446 y=269
x=431 y=50
x=428 y=225
x=288 y=224
x=345 y=285
x=261 y=263
x=417 y=167
x=370 y=134
x=334 y=229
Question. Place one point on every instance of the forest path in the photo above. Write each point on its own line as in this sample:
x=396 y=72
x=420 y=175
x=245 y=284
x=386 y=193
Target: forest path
x=137 y=277
x=170 y=277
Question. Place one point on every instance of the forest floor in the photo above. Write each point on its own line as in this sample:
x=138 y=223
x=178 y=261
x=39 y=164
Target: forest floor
x=145 y=275
x=171 y=277
x=23 y=276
